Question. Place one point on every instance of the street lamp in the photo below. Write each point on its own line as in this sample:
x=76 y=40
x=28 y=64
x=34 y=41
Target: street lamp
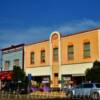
x=0 y=67
x=0 y=60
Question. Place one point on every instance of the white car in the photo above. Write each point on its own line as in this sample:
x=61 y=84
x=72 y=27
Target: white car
x=89 y=90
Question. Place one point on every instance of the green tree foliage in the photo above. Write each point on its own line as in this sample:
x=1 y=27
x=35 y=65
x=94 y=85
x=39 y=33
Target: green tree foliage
x=18 y=74
x=93 y=74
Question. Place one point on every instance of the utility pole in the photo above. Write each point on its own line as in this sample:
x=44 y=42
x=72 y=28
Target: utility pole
x=0 y=60
x=0 y=68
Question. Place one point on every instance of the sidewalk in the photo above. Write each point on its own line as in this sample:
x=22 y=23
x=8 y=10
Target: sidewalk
x=34 y=95
x=48 y=94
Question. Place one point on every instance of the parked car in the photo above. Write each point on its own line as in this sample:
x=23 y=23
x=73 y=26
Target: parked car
x=89 y=90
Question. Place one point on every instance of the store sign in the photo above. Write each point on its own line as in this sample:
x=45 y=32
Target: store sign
x=66 y=78
x=45 y=80
x=6 y=75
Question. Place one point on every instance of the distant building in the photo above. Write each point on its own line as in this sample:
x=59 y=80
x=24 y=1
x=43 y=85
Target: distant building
x=62 y=58
x=11 y=56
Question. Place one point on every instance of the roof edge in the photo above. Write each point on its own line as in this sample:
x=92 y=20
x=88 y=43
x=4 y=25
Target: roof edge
x=81 y=32
x=37 y=42
x=12 y=46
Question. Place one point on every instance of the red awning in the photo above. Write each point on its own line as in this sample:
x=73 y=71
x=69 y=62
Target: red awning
x=5 y=75
x=9 y=77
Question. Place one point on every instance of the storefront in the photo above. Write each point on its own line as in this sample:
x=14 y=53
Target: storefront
x=5 y=79
x=78 y=78
x=65 y=79
x=71 y=79
x=40 y=80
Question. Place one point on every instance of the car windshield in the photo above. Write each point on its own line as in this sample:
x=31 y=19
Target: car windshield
x=97 y=85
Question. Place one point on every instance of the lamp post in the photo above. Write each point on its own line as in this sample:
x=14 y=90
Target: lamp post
x=0 y=79
x=0 y=68
x=0 y=60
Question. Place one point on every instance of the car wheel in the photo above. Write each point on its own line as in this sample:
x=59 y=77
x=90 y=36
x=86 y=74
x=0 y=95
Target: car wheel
x=95 y=96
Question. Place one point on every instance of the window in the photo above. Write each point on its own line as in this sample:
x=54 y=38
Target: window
x=86 y=50
x=42 y=56
x=70 y=52
x=32 y=58
x=16 y=62
x=55 y=54
x=97 y=85
x=7 y=64
x=87 y=85
x=79 y=86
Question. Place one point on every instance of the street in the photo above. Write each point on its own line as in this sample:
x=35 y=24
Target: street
x=28 y=97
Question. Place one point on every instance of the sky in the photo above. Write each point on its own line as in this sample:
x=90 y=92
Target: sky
x=27 y=21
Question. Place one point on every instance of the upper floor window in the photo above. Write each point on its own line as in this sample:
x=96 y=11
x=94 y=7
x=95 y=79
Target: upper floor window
x=70 y=52
x=55 y=54
x=16 y=62
x=7 y=64
x=42 y=56
x=86 y=52
x=32 y=58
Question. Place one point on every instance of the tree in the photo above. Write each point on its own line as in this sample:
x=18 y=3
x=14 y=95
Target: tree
x=93 y=74
x=18 y=74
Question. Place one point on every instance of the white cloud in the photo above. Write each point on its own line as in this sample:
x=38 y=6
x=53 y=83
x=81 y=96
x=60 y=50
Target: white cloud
x=32 y=34
x=78 y=25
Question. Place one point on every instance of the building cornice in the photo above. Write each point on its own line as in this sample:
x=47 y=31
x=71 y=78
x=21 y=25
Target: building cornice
x=12 y=47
